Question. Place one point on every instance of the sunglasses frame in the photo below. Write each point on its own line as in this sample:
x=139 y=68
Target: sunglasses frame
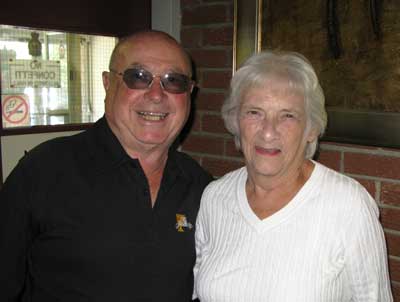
x=163 y=77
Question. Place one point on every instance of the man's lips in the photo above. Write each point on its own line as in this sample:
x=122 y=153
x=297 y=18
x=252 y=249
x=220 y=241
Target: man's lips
x=152 y=116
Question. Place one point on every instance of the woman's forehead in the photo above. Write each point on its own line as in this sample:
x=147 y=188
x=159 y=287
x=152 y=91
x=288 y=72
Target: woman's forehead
x=275 y=96
x=275 y=86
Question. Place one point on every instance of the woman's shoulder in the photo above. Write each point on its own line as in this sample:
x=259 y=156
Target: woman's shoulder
x=344 y=189
x=334 y=178
x=220 y=195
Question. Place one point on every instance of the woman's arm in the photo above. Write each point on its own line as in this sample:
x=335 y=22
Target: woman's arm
x=366 y=255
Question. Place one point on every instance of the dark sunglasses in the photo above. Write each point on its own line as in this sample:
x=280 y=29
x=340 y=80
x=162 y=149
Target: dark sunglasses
x=139 y=78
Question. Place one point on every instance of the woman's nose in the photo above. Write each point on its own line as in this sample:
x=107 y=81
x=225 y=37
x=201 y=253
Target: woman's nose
x=270 y=128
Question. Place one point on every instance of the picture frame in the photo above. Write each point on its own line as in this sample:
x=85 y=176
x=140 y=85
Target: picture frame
x=362 y=126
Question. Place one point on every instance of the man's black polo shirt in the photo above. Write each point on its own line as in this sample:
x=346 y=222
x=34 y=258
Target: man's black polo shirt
x=76 y=224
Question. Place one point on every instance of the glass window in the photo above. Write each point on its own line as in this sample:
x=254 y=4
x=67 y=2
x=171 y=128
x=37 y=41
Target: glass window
x=51 y=77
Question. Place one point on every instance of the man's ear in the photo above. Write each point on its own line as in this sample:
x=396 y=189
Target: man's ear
x=106 y=80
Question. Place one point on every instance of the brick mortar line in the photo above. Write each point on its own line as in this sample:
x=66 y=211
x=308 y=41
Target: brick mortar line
x=212 y=90
x=378 y=151
x=388 y=206
x=374 y=178
x=378 y=190
x=393 y=232
x=213 y=156
x=394 y=257
x=212 y=134
x=341 y=162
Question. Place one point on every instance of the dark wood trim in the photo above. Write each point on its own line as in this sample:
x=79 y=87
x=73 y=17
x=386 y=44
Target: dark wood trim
x=44 y=129
x=1 y=166
x=111 y=18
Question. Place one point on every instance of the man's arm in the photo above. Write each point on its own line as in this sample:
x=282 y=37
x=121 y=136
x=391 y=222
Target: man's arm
x=15 y=233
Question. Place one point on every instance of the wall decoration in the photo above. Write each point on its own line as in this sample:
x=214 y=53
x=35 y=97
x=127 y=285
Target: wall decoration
x=355 y=49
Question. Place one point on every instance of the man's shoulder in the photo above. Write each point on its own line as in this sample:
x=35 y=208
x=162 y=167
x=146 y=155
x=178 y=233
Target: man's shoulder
x=57 y=151
x=228 y=182
x=57 y=146
x=43 y=161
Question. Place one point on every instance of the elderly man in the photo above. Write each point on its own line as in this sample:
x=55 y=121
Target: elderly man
x=108 y=214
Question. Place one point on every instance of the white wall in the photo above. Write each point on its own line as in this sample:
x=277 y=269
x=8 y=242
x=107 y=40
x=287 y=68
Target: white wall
x=166 y=16
x=101 y=52
x=13 y=147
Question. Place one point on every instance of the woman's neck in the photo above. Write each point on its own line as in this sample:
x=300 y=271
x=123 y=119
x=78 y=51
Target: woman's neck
x=268 y=195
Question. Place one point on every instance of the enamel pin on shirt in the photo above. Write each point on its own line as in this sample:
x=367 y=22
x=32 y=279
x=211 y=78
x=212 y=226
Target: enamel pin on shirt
x=182 y=223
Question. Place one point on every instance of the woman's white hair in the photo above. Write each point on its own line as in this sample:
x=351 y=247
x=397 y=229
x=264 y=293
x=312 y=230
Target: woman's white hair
x=290 y=66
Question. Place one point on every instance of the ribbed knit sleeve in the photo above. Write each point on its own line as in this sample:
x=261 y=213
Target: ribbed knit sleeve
x=365 y=252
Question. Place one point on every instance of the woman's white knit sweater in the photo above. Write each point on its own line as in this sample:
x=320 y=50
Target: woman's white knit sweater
x=325 y=245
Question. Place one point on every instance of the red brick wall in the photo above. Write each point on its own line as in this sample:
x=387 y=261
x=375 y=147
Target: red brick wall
x=207 y=33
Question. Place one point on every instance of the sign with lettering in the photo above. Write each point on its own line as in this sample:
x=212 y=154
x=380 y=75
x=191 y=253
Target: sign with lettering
x=34 y=73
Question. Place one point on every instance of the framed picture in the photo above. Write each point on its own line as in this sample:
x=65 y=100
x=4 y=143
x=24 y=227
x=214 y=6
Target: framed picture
x=354 y=47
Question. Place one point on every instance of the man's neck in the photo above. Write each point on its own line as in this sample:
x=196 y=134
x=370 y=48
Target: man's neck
x=153 y=169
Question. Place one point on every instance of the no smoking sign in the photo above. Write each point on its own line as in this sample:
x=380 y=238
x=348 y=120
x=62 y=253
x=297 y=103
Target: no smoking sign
x=15 y=110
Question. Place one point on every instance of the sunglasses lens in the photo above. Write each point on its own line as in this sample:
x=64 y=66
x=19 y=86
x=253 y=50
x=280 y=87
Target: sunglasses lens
x=136 y=78
x=175 y=82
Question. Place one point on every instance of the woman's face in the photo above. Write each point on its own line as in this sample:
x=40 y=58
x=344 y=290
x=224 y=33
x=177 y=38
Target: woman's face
x=272 y=125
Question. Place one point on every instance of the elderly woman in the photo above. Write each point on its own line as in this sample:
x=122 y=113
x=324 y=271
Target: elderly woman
x=284 y=227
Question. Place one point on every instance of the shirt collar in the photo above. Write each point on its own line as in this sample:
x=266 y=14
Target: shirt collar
x=108 y=153
x=105 y=148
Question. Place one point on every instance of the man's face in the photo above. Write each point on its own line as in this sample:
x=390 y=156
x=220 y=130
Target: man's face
x=146 y=120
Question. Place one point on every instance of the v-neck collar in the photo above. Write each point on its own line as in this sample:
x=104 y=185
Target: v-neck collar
x=262 y=225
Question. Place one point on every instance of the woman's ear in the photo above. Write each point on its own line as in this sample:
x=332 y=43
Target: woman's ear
x=312 y=135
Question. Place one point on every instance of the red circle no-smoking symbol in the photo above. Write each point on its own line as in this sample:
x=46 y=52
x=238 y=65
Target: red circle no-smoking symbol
x=15 y=109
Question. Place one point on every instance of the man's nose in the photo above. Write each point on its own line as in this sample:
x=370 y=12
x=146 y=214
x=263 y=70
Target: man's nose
x=155 y=92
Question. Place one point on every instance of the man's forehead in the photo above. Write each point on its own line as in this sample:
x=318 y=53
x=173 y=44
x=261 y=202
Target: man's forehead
x=149 y=42
x=152 y=53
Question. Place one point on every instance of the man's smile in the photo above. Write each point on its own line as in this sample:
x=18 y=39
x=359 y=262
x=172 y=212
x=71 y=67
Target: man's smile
x=152 y=116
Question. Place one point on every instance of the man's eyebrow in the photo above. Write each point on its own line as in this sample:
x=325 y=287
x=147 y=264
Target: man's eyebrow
x=144 y=66
x=137 y=65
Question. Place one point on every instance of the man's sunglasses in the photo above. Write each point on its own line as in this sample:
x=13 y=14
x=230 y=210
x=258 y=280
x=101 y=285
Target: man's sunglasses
x=139 y=78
